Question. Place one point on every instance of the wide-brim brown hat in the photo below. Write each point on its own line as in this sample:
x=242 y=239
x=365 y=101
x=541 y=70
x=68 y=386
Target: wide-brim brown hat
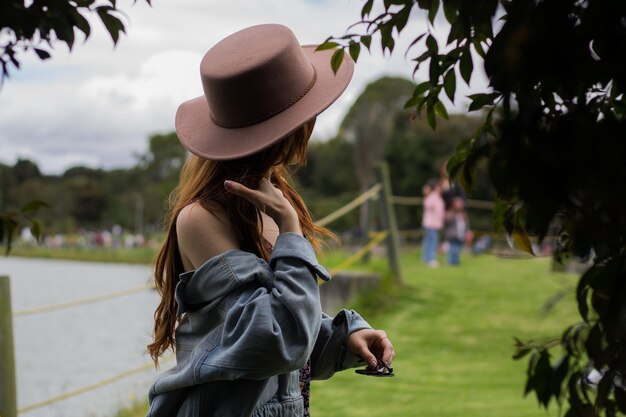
x=259 y=85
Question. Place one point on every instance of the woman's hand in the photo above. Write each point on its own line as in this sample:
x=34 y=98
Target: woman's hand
x=271 y=201
x=373 y=346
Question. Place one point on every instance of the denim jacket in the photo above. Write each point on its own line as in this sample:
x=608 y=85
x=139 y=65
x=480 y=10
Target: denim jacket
x=247 y=327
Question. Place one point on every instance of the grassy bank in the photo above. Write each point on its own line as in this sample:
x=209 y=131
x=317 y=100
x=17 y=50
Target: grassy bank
x=143 y=255
x=453 y=332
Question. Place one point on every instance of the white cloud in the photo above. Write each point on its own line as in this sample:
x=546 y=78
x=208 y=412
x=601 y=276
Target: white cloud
x=97 y=105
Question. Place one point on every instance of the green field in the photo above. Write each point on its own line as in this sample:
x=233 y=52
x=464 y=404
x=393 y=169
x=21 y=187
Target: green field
x=453 y=330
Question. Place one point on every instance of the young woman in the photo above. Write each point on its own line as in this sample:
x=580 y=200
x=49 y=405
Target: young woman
x=238 y=273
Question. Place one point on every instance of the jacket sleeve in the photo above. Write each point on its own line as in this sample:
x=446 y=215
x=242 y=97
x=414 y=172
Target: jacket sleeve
x=270 y=330
x=330 y=353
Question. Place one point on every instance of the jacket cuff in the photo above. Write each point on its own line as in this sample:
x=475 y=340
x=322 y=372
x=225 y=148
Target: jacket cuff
x=292 y=245
x=354 y=322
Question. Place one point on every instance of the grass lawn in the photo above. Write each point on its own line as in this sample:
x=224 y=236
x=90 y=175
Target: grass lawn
x=452 y=329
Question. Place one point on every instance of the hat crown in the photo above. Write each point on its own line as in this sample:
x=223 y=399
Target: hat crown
x=255 y=74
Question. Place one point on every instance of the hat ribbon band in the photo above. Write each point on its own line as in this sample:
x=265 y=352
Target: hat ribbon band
x=271 y=113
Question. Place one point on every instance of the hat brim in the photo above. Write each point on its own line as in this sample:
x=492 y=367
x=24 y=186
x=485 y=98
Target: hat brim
x=202 y=137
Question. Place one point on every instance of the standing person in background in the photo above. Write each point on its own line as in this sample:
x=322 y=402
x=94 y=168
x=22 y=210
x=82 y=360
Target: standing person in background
x=457 y=226
x=432 y=221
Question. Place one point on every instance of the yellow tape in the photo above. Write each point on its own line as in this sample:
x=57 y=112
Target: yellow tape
x=52 y=307
x=91 y=387
x=369 y=194
x=378 y=237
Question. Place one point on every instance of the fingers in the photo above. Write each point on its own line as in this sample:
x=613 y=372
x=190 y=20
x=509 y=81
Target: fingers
x=257 y=197
x=240 y=190
x=271 y=201
x=364 y=352
x=388 y=354
x=373 y=346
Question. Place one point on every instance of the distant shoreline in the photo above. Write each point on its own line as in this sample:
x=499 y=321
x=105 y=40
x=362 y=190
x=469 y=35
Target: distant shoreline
x=144 y=256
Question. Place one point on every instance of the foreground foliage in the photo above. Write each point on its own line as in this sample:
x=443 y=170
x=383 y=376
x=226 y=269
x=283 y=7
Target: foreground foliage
x=553 y=135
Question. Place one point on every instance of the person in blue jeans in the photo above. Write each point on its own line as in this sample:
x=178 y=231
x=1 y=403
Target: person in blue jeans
x=432 y=221
x=237 y=272
x=456 y=228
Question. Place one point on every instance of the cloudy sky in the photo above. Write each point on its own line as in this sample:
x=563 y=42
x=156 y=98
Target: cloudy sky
x=97 y=105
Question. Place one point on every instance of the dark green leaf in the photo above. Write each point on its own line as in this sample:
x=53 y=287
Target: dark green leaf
x=541 y=376
x=354 y=49
x=42 y=54
x=430 y=115
x=466 y=66
x=35 y=229
x=418 y=95
x=414 y=102
x=449 y=84
x=620 y=398
x=481 y=100
x=421 y=88
x=595 y=345
x=33 y=206
x=559 y=373
x=520 y=353
x=367 y=8
x=366 y=40
x=434 y=69
x=337 y=59
x=450 y=12
x=431 y=44
x=522 y=241
x=479 y=48
x=65 y=32
x=440 y=109
x=432 y=12
x=327 y=45
x=386 y=38
x=582 y=293
x=604 y=387
x=466 y=177
x=112 y=23
x=81 y=23
x=402 y=17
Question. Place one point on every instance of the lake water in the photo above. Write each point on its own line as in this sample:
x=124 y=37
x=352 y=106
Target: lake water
x=65 y=350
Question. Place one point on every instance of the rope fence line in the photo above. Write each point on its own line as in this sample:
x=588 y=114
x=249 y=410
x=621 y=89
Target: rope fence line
x=367 y=195
x=82 y=301
x=417 y=201
x=91 y=387
x=378 y=237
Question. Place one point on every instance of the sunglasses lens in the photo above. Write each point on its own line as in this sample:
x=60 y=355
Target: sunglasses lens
x=380 y=372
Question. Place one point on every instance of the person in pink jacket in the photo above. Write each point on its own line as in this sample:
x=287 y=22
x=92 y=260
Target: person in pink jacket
x=432 y=221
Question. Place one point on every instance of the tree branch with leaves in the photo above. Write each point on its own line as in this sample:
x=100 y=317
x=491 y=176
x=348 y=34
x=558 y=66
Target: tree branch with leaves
x=553 y=136
x=38 y=25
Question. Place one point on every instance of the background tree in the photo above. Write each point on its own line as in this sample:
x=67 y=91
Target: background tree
x=556 y=154
x=368 y=126
x=36 y=26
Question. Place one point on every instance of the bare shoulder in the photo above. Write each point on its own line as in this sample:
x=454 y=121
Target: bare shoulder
x=203 y=234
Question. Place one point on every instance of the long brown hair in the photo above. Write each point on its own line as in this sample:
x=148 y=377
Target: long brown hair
x=202 y=181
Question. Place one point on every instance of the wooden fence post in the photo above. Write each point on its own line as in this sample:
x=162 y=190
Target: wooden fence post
x=388 y=220
x=8 y=402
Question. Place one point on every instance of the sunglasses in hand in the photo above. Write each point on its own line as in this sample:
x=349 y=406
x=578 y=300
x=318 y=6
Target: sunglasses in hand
x=383 y=370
